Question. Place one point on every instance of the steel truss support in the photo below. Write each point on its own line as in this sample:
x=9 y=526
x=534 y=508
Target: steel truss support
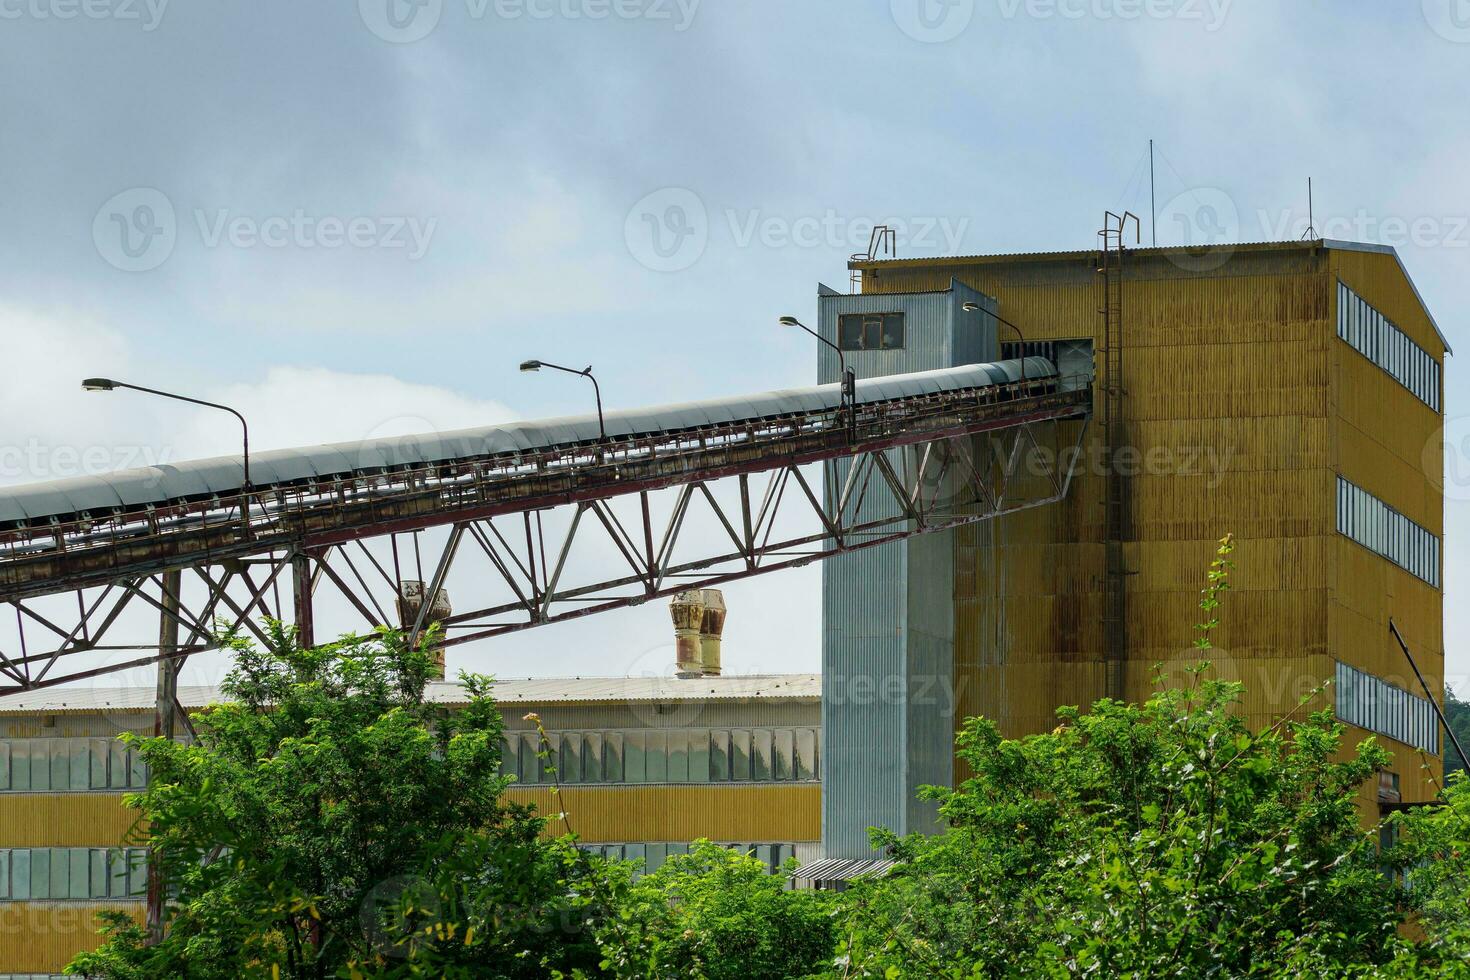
x=548 y=564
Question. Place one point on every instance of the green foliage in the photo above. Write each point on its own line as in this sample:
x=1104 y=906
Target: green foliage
x=330 y=822
x=1155 y=840
x=718 y=914
x=313 y=802
x=1433 y=852
x=1457 y=713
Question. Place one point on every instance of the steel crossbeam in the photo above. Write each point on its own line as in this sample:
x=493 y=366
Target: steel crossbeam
x=528 y=539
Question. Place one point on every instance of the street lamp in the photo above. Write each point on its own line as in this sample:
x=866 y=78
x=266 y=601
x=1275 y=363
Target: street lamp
x=108 y=384
x=533 y=366
x=972 y=307
x=849 y=377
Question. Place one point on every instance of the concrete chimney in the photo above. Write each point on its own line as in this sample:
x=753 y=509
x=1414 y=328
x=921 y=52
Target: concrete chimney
x=711 y=628
x=687 y=611
x=411 y=595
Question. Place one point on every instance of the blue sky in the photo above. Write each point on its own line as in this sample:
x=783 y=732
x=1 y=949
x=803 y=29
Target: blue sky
x=354 y=217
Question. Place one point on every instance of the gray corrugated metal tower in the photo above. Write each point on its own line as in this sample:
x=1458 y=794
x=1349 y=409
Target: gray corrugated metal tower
x=887 y=612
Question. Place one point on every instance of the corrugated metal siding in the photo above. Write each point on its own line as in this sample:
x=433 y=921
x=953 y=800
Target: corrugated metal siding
x=64 y=819
x=42 y=937
x=612 y=814
x=1243 y=358
x=1389 y=443
x=887 y=639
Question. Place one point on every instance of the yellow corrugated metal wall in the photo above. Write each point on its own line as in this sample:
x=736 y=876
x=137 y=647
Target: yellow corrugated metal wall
x=42 y=937
x=618 y=814
x=64 y=819
x=1243 y=405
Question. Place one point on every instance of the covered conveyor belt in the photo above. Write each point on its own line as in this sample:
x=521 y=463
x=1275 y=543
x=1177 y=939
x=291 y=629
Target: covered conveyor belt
x=126 y=533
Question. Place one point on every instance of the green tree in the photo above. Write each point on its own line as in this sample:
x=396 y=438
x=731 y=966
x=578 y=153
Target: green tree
x=718 y=914
x=310 y=815
x=1163 y=839
x=1457 y=714
x=1433 y=853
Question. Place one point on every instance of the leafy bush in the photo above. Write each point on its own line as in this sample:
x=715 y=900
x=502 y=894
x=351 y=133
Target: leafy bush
x=718 y=914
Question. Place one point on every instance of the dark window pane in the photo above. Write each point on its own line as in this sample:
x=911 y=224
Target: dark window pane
x=872 y=333
x=892 y=331
x=850 y=332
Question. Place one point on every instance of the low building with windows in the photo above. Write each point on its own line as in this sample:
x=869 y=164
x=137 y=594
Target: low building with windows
x=646 y=765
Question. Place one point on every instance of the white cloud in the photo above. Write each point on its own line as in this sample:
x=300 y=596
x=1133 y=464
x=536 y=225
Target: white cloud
x=51 y=429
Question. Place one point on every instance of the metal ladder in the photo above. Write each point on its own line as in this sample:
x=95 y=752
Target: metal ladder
x=1112 y=255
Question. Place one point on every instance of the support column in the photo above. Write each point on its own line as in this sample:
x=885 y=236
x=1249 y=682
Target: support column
x=301 y=595
x=165 y=706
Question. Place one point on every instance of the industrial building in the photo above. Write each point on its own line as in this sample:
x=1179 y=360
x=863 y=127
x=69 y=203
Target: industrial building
x=1288 y=393
x=1154 y=400
x=646 y=766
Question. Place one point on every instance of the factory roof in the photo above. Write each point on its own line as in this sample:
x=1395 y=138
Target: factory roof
x=528 y=691
x=1000 y=258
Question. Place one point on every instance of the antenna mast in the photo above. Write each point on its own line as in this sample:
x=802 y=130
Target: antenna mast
x=1311 y=231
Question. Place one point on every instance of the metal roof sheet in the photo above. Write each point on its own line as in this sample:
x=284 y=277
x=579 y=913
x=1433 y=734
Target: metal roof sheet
x=1087 y=254
x=526 y=691
x=842 y=869
x=223 y=475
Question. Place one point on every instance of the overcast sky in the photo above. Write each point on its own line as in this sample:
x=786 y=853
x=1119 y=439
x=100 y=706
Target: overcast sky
x=357 y=218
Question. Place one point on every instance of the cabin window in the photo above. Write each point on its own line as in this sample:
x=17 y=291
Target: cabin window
x=870 y=331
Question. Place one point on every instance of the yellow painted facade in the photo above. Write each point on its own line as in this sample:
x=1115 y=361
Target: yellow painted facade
x=775 y=807
x=64 y=819
x=1243 y=408
x=42 y=937
x=617 y=814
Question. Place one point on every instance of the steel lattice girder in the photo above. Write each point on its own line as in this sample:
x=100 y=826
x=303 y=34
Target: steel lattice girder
x=933 y=480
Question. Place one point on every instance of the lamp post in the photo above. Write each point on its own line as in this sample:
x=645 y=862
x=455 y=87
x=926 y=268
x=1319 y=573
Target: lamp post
x=533 y=366
x=108 y=384
x=165 y=704
x=971 y=307
x=849 y=377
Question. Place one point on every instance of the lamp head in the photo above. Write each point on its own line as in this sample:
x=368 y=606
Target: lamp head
x=530 y=366
x=790 y=321
x=971 y=307
x=98 y=384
